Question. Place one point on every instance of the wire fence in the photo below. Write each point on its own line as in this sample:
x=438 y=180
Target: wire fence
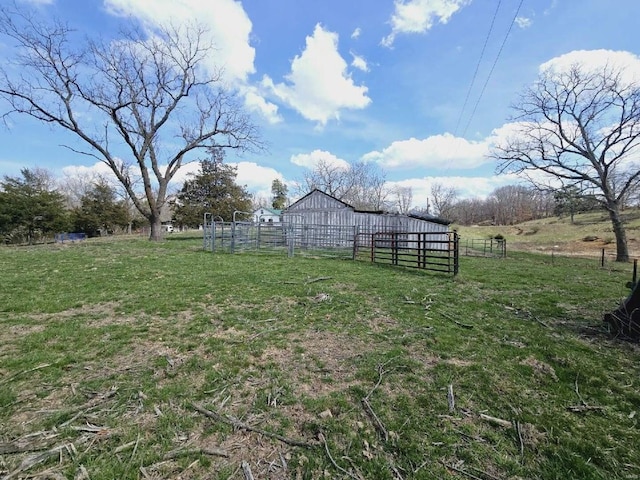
x=483 y=247
x=436 y=251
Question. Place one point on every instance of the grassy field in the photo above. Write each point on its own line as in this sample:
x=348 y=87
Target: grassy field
x=129 y=359
x=586 y=237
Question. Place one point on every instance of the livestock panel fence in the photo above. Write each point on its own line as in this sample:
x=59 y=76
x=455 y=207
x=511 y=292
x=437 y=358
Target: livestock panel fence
x=437 y=251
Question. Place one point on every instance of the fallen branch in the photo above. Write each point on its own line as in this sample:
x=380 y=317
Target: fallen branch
x=540 y=321
x=516 y=427
x=377 y=423
x=186 y=452
x=24 y=372
x=451 y=399
x=124 y=447
x=326 y=449
x=10 y=448
x=317 y=279
x=32 y=442
x=575 y=388
x=496 y=421
x=460 y=324
x=584 y=408
x=246 y=470
x=463 y=472
x=91 y=403
x=381 y=372
x=230 y=420
x=396 y=472
x=34 y=460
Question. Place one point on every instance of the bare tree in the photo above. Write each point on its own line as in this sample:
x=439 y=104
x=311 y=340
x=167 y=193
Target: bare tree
x=579 y=128
x=141 y=104
x=402 y=199
x=443 y=199
x=361 y=185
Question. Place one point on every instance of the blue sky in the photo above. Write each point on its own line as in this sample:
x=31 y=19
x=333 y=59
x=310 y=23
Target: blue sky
x=382 y=81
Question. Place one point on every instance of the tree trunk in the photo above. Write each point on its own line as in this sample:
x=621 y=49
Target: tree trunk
x=622 y=251
x=156 y=228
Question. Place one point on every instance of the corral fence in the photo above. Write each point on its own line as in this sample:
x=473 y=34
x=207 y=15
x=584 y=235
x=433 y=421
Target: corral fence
x=425 y=250
x=483 y=247
x=436 y=251
x=294 y=238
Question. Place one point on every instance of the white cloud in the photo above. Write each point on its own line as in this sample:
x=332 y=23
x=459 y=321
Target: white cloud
x=98 y=171
x=419 y=16
x=319 y=86
x=229 y=28
x=256 y=177
x=356 y=33
x=437 y=151
x=592 y=60
x=310 y=160
x=359 y=62
x=255 y=102
x=523 y=22
x=466 y=187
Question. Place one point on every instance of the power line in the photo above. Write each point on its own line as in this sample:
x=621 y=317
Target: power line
x=493 y=67
x=475 y=74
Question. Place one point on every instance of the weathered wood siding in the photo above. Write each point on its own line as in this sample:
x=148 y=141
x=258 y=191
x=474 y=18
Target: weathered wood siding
x=319 y=209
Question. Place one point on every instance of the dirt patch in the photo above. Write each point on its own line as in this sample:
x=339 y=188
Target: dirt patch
x=540 y=368
x=459 y=362
x=381 y=323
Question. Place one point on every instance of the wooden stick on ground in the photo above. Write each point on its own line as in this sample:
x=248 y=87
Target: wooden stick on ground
x=451 y=399
x=326 y=449
x=246 y=470
x=24 y=372
x=495 y=421
x=317 y=279
x=377 y=423
x=464 y=472
x=230 y=420
x=460 y=324
x=186 y=452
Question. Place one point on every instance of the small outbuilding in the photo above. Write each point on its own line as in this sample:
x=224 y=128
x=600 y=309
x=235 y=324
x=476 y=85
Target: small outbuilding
x=266 y=214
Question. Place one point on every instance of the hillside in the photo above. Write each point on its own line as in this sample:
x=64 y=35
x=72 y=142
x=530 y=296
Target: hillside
x=587 y=236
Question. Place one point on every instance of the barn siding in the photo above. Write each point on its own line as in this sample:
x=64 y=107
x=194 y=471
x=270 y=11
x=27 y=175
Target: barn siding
x=318 y=208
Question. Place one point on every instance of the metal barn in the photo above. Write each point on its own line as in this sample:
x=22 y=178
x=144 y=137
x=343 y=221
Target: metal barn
x=334 y=221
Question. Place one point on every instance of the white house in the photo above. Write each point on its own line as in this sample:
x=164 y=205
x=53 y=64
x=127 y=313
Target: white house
x=266 y=214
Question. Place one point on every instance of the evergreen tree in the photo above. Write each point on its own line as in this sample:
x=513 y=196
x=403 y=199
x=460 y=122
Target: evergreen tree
x=100 y=212
x=30 y=207
x=212 y=190
x=279 y=191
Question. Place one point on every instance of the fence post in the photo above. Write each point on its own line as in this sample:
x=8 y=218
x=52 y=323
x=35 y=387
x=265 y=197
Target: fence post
x=373 y=241
x=602 y=259
x=356 y=232
x=290 y=240
x=456 y=245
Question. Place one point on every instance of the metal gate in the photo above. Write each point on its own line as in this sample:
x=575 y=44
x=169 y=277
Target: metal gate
x=425 y=250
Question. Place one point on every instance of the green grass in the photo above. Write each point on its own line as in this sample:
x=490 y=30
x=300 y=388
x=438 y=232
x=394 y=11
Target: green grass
x=107 y=344
x=559 y=235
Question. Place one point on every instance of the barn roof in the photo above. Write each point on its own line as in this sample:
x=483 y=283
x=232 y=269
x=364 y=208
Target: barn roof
x=272 y=211
x=429 y=218
x=300 y=200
